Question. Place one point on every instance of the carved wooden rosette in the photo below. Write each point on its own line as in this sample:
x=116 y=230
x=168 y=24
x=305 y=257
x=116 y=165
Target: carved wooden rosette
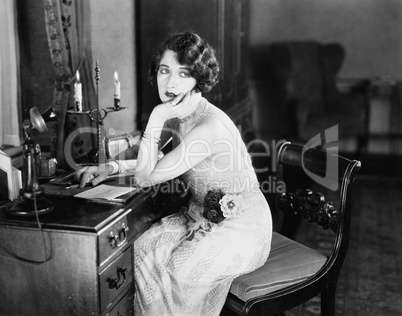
x=310 y=206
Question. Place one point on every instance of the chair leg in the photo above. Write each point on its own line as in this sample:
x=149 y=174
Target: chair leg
x=328 y=301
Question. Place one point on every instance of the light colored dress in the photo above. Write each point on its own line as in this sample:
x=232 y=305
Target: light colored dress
x=184 y=264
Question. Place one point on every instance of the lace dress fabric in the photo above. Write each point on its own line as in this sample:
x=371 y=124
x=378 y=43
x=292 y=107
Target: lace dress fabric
x=185 y=264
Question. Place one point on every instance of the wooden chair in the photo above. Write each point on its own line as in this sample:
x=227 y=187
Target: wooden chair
x=294 y=273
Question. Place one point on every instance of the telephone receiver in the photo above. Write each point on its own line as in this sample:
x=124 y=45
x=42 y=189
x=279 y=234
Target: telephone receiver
x=31 y=200
x=38 y=121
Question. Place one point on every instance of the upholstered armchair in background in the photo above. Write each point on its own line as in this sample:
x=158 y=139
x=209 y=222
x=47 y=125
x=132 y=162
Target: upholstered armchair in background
x=294 y=88
x=296 y=96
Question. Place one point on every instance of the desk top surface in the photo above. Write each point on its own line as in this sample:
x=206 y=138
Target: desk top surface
x=77 y=214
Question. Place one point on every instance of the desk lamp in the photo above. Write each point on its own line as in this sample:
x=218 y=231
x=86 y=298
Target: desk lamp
x=30 y=199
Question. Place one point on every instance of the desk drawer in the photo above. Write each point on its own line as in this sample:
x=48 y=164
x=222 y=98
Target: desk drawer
x=116 y=277
x=125 y=307
x=113 y=238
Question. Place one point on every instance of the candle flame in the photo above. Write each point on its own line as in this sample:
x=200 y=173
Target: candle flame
x=116 y=76
x=77 y=76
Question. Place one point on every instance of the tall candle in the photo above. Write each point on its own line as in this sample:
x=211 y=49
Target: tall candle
x=116 y=86
x=78 y=92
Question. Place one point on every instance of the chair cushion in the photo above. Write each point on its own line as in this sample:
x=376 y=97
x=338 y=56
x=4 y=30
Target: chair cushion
x=289 y=262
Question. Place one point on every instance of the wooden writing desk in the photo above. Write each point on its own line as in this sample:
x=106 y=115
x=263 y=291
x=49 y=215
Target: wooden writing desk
x=88 y=268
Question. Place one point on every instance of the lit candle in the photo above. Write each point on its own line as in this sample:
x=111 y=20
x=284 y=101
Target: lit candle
x=78 y=92
x=116 y=86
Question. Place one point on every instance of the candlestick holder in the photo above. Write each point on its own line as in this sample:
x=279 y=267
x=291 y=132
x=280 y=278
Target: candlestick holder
x=117 y=104
x=98 y=115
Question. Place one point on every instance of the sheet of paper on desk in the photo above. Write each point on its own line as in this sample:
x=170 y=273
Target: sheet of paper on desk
x=108 y=192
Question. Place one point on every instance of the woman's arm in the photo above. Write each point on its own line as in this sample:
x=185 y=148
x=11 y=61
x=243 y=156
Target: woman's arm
x=150 y=143
x=147 y=160
x=126 y=160
x=200 y=143
x=132 y=152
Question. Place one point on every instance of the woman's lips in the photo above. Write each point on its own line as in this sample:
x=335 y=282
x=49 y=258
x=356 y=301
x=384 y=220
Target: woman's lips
x=170 y=95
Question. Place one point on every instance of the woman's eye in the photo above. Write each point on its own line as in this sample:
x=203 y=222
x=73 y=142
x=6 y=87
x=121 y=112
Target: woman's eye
x=163 y=70
x=185 y=74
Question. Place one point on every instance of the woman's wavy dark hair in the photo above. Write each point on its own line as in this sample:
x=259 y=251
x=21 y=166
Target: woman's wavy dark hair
x=191 y=51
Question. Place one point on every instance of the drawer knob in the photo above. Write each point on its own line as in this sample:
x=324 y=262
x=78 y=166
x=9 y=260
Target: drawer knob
x=116 y=240
x=117 y=283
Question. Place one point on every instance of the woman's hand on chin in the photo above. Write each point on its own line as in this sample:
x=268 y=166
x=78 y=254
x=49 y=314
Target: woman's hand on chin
x=181 y=106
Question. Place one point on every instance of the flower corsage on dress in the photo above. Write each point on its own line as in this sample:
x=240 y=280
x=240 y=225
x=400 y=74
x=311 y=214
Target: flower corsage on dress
x=219 y=206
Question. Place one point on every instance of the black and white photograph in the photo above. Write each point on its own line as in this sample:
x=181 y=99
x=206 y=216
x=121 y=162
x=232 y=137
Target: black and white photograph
x=201 y=157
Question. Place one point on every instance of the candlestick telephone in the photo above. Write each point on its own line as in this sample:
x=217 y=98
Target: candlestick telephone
x=31 y=201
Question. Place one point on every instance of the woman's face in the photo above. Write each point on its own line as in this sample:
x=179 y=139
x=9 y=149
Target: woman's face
x=173 y=78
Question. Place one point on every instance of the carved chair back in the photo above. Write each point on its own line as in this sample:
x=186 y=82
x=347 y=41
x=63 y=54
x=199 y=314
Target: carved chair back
x=327 y=200
x=316 y=186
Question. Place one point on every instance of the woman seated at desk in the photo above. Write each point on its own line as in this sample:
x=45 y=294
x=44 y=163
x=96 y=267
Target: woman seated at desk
x=185 y=264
